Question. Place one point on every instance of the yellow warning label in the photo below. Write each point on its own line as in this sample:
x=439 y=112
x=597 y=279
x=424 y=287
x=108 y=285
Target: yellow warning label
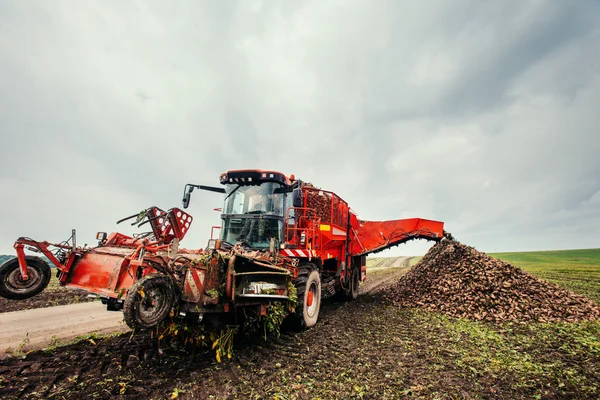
x=324 y=227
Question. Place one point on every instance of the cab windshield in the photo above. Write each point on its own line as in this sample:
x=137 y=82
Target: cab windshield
x=264 y=199
x=253 y=215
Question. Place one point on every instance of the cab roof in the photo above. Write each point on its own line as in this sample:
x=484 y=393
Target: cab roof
x=254 y=176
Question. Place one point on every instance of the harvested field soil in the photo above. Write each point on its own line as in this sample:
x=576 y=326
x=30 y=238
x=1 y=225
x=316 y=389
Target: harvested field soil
x=459 y=281
x=53 y=295
x=366 y=349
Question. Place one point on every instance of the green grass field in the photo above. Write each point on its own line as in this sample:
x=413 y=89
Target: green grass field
x=576 y=270
x=415 y=260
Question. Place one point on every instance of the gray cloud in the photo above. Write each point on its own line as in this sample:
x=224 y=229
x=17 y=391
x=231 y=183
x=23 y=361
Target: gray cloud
x=481 y=114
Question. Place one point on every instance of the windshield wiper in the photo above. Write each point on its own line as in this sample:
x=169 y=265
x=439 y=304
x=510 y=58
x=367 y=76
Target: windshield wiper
x=232 y=192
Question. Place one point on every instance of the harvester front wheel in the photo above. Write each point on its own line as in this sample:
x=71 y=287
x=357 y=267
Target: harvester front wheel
x=308 y=286
x=149 y=301
x=12 y=284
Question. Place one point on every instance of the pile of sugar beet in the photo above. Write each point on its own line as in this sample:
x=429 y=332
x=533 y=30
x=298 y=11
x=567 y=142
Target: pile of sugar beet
x=457 y=280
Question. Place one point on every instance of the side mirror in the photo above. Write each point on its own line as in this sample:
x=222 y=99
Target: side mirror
x=186 y=196
x=189 y=188
x=297 y=200
x=100 y=237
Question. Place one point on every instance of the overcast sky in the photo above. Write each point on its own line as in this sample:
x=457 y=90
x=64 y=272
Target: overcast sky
x=484 y=115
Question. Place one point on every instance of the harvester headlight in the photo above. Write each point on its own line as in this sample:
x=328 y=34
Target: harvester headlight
x=101 y=236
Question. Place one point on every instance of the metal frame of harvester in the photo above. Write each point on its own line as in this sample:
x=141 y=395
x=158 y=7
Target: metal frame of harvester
x=307 y=246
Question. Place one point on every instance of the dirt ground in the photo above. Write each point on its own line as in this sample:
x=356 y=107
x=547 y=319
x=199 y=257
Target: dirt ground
x=53 y=295
x=365 y=349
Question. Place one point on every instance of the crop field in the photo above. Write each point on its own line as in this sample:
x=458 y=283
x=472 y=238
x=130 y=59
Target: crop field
x=577 y=270
x=376 y=262
x=379 y=263
x=367 y=349
x=414 y=260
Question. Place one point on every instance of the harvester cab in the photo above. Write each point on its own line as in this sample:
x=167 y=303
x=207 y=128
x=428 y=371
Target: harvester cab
x=254 y=210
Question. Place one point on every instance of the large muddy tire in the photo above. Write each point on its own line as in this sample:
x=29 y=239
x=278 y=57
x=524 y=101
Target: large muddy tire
x=352 y=292
x=12 y=285
x=308 y=286
x=355 y=283
x=149 y=301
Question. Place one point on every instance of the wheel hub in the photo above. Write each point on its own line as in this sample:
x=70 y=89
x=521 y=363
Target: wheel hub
x=309 y=299
x=16 y=281
x=310 y=303
x=152 y=304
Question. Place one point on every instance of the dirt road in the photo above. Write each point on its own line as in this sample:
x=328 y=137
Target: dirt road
x=385 y=275
x=33 y=329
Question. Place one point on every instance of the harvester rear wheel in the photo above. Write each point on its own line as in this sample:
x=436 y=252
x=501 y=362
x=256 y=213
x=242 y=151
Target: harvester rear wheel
x=354 y=283
x=149 y=301
x=352 y=293
x=308 y=286
x=12 y=284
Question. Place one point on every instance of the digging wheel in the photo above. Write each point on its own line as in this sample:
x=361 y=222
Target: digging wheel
x=308 y=286
x=12 y=284
x=149 y=301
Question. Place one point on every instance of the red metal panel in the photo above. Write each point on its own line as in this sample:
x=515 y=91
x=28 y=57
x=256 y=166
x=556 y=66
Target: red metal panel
x=372 y=236
x=98 y=270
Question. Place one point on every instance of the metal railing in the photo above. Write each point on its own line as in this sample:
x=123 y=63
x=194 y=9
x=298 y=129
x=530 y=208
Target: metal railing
x=304 y=231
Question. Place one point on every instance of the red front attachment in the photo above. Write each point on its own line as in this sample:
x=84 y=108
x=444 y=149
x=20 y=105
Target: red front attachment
x=169 y=225
x=116 y=262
